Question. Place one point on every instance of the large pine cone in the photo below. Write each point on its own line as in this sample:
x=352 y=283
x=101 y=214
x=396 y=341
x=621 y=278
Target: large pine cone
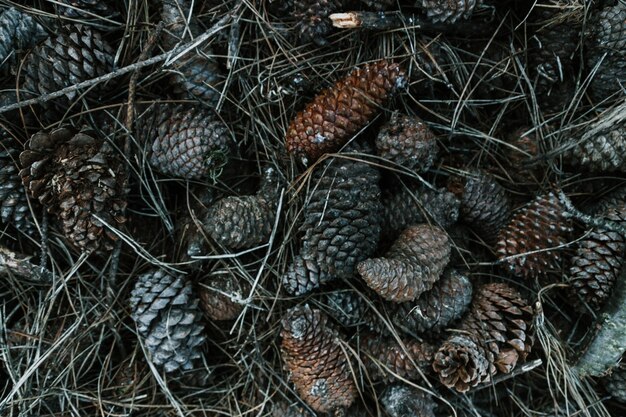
x=77 y=54
x=313 y=354
x=341 y=225
x=411 y=266
x=529 y=243
x=17 y=31
x=169 y=320
x=404 y=401
x=604 y=151
x=338 y=112
x=313 y=19
x=80 y=178
x=14 y=207
x=187 y=142
x=449 y=11
x=408 y=141
x=243 y=222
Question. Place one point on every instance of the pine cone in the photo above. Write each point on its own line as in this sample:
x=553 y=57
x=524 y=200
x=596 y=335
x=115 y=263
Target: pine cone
x=169 y=320
x=285 y=409
x=244 y=222
x=186 y=142
x=341 y=225
x=86 y=8
x=75 y=55
x=462 y=363
x=609 y=201
x=14 y=208
x=317 y=364
x=350 y=308
x=604 y=151
x=17 y=31
x=386 y=360
x=81 y=179
x=615 y=382
x=339 y=112
x=217 y=297
x=447 y=11
x=379 y=4
x=524 y=147
x=404 y=401
x=535 y=228
x=411 y=266
x=435 y=309
x=313 y=19
x=607 y=35
x=485 y=205
x=418 y=205
x=598 y=261
x=407 y=141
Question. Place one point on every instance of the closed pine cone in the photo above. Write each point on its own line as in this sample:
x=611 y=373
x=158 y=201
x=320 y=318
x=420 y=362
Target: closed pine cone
x=338 y=112
x=243 y=222
x=77 y=177
x=411 y=266
x=538 y=226
x=77 y=54
x=187 y=142
x=14 y=207
x=313 y=19
x=449 y=11
x=318 y=367
x=386 y=359
x=218 y=297
x=401 y=400
x=604 y=151
x=341 y=225
x=168 y=318
x=17 y=31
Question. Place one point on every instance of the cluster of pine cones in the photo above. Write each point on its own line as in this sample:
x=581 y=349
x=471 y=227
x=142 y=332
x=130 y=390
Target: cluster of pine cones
x=235 y=208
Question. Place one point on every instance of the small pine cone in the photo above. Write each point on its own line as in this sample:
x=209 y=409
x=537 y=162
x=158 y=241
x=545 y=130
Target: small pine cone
x=598 y=261
x=341 y=225
x=75 y=55
x=386 y=360
x=187 y=142
x=615 y=382
x=604 y=151
x=418 y=205
x=17 y=31
x=314 y=23
x=14 y=207
x=350 y=309
x=485 y=205
x=537 y=227
x=407 y=141
x=447 y=11
x=404 y=401
x=218 y=297
x=607 y=37
x=244 y=222
x=462 y=363
x=168 y=318
x=318 y=367
x=81 y=179
x=411 y=266
x=435 y=309
x=86 y=8
x=338 y=112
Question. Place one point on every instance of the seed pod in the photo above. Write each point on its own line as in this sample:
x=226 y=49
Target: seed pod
x=341 y=225
x=384 y=359
x=337 y=113
x=615 y=382
x=186 y=142
x=404 y=401
x=602 y=151
x=17 y=31
x=449 y=11
x=168 y=319
x=411 y=266
x=14 y=207
x=317 y=364
x=218 y=297
x=80 y=178
x=485 y=205
x=244 y=222
x=86 y=8
x=529 y=243
x=407 y=141
x=312 y=16
x=77 y=54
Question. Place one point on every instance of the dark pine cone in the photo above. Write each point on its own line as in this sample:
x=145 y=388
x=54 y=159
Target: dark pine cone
x=168 y=319
x=187 y=142
x=615 y=382
x=77 y=54
x=350 y=308
x=411 y=266
x=405 y=401
x=17 y=31
x=338 y=112
x=341 y=224
x=603 y=151
x=449 y=11
x=313 y=355
x=538 y=227
x=86 y=8
x=14 y=207
x=80 y=178
x=313 y=18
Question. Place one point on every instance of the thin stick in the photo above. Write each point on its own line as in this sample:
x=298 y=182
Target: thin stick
x=598 y=222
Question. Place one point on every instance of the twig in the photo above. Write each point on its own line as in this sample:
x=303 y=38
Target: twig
x=21 y=266
x=527 y=367
x=598 y=222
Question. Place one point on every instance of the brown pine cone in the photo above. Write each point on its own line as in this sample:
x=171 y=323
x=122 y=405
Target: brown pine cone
x=81 y=179
x=77 y=54
x=218 y=297
x=187 y=142
x=411 y=266
x=598 y=261
x=338 y=112
x=318 y=367
x=14 y=208
x=313 y=19
x=244 y=222
x=385 y=360
x=485 y=205
x=462 y=362
x=448 y=11
x=404 y=401
x=604 y=151
x=341 y=225
x=407 y=141
x=529 y=243
x=17 y=31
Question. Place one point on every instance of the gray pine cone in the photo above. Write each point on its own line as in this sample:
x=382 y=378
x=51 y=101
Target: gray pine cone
x=17 y=31
x=604 y=151
x=14 y=207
